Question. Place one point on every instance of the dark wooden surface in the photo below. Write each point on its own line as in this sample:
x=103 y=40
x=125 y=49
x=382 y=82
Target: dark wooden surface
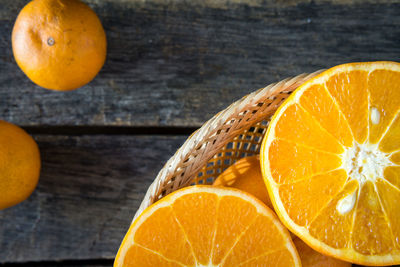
x=89 y=189
x=64 y=263
x=171 y=65
x=176 y=63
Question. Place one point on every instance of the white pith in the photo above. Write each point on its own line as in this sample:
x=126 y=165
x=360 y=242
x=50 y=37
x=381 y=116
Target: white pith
x=362 y=163
x=365 y=162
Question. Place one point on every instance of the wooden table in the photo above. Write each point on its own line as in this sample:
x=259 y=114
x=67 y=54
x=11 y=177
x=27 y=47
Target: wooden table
x=171 y=65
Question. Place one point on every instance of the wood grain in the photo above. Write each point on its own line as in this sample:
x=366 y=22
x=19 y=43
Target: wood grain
x=64 y=263
x=177 y=63
x=170 y=63
x=89 y=190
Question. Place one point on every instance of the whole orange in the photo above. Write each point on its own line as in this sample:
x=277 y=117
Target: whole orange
x=19 y=165
x=59 y=44
x=245 y=174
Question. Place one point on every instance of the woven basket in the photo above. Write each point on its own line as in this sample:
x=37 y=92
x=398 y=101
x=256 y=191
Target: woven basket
x=233 y=133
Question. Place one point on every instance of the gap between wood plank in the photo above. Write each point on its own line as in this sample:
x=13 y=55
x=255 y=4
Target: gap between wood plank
x=108 y=130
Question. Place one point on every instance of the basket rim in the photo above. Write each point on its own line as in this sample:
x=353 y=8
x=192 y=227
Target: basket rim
x=198 y=139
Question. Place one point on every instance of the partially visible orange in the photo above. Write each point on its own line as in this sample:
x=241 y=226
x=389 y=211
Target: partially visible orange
x=331 y=162
x=59 y=44
x=19 y=165
x=312 y=258
x=207 y=226
x=245 y=174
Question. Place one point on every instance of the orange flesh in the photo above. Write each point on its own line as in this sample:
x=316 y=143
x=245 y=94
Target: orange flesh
x=349 y=92
x=330 y=161
x=245 y=174
x=207 y=226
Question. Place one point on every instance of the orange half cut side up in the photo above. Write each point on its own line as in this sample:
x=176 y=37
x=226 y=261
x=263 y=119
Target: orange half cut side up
x=330 y=160
x=207 y=226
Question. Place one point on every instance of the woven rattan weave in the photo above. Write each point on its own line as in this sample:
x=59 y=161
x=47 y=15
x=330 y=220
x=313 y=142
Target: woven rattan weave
x=231 y=134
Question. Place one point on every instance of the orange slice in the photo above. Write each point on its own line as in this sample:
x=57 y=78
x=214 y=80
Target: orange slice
x=207 y=226
x=330 y=161
x=245 y=174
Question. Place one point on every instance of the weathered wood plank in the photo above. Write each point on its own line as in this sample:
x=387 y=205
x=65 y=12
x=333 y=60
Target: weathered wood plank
x=66 y=263
x=177 y=63
x=89 y=190
x=56 y=264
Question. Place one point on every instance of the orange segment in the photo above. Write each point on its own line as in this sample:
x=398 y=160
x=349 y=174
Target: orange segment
x=392 y=175
x=280 y=258
x=384 y=90
x=165 y=233
x=338 y=235
x=357 y=223
x=226 y=235
x=194 y=223
x=371 y=233
x=391 y=140
x=300 y=127
x=310 y=162
x=389 y=197
x=316 y=100
x=138 y=256
x=171 y=244
x=295 y=196
x=349 y=89
x=395 y=158
x=267 y=243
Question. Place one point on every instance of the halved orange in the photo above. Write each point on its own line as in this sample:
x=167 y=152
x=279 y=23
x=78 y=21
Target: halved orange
x=330 y=159
x=245 y=174
x=207 y=226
